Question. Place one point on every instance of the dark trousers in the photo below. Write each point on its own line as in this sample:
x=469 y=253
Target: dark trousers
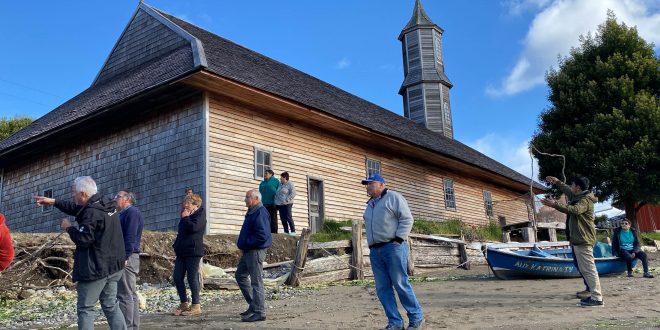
x=578 y=269
x=272 y=211
x=625 y=254
x=189 y=266
x=286 y=217
x=249 y=276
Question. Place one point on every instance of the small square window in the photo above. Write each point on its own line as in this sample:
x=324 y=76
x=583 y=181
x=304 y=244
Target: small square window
x=262 y=162
x=488 y=203
x=373 y=167
x=47 y=193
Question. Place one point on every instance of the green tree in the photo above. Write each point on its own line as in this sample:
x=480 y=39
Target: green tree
x=9 y=126
x=605 y=116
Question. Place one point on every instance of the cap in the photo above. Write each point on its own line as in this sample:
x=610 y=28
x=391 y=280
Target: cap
x=374 y=177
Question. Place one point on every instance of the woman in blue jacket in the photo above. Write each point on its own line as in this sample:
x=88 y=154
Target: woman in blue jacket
x=189 y=250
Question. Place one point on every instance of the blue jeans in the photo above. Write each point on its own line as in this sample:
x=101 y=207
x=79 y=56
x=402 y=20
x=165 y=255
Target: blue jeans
x=105 y=290
x=187 y=266
x=390 y=266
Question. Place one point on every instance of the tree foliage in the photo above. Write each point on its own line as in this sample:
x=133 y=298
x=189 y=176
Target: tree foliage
x=605 y=116
x=9 y=126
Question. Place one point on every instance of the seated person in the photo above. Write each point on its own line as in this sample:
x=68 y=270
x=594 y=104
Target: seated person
x=626 y=245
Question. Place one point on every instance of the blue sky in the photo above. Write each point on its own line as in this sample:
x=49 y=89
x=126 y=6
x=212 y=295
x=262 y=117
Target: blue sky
x=495 y=52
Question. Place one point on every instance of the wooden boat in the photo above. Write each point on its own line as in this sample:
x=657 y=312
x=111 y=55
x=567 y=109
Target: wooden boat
x=542 y=260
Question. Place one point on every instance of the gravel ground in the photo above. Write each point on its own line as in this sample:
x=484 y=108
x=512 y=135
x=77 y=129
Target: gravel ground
x=56 y=308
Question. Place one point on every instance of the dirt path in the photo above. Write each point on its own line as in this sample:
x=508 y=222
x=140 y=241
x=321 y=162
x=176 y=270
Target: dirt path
x=470 y=300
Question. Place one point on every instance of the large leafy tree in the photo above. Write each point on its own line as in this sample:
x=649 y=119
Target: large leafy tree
x=605 y=116
x=9 y=126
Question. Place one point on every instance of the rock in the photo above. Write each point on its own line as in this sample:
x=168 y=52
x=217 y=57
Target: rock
x=25 y=294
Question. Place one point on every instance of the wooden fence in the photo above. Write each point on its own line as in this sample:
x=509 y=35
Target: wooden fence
x=349 y=259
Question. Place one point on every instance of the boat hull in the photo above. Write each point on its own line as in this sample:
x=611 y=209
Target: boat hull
x=510 y=265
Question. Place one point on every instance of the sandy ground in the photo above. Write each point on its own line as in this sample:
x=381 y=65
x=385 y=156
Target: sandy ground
x=451 y=299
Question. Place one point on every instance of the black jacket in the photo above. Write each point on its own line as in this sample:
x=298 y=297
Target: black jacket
x=190 y=238
x=616 y=243
x=98 y=238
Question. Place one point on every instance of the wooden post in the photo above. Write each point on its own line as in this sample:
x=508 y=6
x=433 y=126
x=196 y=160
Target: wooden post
x=356 y=257
x=411 y=263
x=299 y=261
x=462 y=249
x=506 y=236
x=552 y=232
x=528 y=234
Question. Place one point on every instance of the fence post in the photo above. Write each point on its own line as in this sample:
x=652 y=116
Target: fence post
x=299 y=261
x=411 y=262
x=356 y=257
x=462 y=249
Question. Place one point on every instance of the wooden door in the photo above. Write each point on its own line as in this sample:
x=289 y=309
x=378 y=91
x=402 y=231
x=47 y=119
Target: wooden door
x=315 y=200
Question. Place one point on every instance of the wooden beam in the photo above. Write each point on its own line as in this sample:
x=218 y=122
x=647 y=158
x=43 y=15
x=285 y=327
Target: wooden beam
x=356 y=255
x=299 y=261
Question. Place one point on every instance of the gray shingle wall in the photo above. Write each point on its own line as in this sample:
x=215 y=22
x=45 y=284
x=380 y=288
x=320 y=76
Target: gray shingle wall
x=155 y=158
x=145 y=39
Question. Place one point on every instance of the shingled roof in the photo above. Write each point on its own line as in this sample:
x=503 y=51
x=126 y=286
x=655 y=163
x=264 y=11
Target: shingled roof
x=231 y=61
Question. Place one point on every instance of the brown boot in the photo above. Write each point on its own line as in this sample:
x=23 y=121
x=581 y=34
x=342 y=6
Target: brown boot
x=195 y=309
x=183 y=307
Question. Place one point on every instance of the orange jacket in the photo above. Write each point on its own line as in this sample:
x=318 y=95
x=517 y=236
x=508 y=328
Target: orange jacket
x=6 y=248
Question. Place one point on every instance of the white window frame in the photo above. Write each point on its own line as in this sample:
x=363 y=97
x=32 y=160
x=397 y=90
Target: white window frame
x=451 y=193
x=266 y=166
x=368 y=166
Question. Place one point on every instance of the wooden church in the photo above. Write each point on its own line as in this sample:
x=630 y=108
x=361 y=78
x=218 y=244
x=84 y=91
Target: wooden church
x=176 y=106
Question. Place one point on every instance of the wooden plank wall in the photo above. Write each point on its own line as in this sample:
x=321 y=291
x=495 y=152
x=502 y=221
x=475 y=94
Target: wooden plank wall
x=235 y=130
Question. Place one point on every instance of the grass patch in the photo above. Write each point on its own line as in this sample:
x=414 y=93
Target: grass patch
x=456 y=227
x=651 y=236
x=332 y=231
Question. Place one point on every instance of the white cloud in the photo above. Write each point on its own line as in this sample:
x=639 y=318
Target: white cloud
x=517 y=7
x=343 y=64
x=515 y=154
x=508 y=151
x=556 y=28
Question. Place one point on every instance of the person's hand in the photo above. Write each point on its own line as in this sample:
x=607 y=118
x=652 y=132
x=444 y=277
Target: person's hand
x=185 y=213
x=44 y=201
x=125 y=263
x=633 y=255
x=548 y=202
x=65 y=224
x=551 y=179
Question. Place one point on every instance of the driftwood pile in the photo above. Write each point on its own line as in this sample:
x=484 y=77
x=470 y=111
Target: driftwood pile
x=46 y=260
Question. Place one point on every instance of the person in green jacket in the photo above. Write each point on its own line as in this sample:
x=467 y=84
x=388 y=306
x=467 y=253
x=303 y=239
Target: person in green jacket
x=580 y=211
x=268 y=188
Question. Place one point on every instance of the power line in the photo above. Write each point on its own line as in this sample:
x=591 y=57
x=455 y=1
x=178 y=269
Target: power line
x=27 y=99
x=32 y=88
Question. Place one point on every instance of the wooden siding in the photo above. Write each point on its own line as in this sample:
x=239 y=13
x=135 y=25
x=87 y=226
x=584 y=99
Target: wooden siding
x=156 y=155
x=235 y=129
x=144 y=39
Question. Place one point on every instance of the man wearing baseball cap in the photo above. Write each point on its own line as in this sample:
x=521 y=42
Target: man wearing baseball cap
x=388 y=222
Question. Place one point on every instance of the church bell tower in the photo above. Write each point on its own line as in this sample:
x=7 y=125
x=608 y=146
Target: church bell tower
x=425 y=88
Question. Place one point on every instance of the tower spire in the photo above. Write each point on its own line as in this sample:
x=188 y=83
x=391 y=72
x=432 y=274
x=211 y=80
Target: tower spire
x=425 y=87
